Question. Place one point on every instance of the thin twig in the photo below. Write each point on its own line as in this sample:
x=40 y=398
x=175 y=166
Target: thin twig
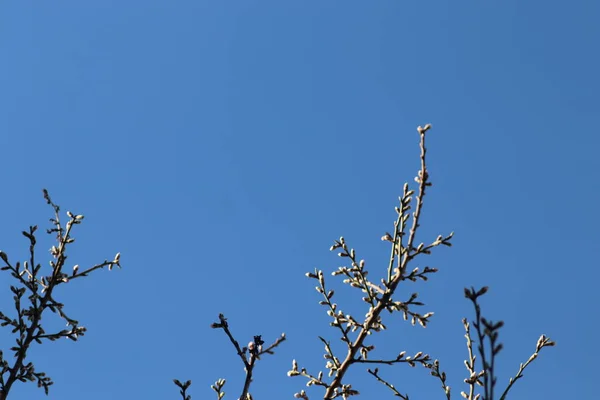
x=375 y=373
x=542 y=342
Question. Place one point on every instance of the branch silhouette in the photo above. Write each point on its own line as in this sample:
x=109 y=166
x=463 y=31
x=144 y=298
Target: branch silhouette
x=41 y=297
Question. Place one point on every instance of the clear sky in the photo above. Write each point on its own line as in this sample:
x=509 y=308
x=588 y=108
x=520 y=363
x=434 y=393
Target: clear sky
x=221 y=146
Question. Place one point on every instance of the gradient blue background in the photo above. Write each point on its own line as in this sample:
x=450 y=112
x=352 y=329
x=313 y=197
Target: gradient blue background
x=221 y=146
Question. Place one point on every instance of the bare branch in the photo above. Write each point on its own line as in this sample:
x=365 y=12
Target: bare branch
x=249 y=355
x=489 y=330
x=375 y=373
x=183 y=389
x=542 y=342
x=41 y=297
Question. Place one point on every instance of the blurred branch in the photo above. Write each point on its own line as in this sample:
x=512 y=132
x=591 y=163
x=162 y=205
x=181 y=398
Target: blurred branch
x=183 y=389
x=489 y=330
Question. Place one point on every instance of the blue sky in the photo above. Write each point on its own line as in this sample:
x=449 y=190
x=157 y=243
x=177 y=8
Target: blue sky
x=221 y=146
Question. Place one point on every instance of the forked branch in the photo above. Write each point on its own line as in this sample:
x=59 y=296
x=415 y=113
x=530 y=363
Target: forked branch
x=41 y=290
x=249 y=355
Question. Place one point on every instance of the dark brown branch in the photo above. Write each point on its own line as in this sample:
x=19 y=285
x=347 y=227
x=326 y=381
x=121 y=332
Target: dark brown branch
x=375 y=373
x=41 y=289
x=183 y=389
x=254 y=349
x=223 y=324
